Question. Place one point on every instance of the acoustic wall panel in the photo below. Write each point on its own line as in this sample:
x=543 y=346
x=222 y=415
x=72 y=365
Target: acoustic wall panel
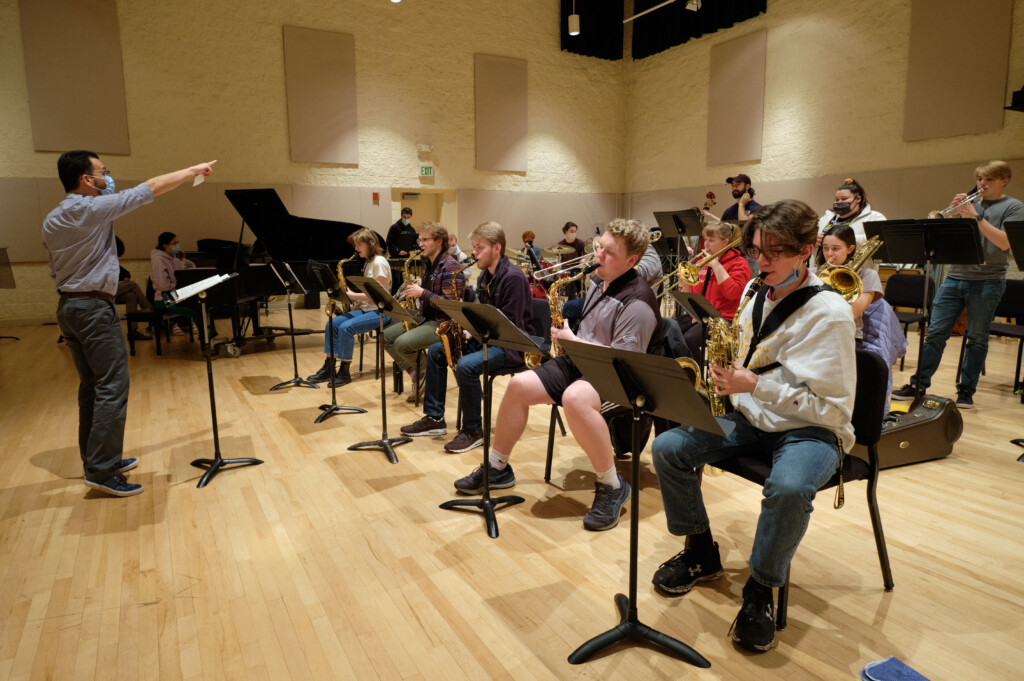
x=73 y=69
x=735 y=128
x=956 y=75
x=500 y=89
x=320 y=76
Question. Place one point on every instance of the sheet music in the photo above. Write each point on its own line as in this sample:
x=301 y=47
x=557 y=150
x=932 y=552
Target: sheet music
x=180 y=294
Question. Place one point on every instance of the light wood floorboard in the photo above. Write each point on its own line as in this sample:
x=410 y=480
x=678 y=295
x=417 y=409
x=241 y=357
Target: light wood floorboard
x=329 y=564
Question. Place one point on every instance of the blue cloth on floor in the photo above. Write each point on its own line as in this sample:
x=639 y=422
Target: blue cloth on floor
x=889 y=669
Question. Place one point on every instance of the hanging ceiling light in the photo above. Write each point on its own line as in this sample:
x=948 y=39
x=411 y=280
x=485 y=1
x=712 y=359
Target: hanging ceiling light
x=574 y=21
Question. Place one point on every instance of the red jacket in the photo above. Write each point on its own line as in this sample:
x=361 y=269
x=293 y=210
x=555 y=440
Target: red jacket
x=725 y=297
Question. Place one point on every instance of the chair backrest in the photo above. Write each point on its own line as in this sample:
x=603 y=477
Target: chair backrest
x=907 y=290
x=541 y=318
x=150 y=291
x=872 y=384
x=1012 y=303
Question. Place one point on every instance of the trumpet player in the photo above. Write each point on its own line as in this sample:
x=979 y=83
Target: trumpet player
x=359 y=320
x=504 y=286
x=976 y=288
x=622 y=312
x=721 y=282
x=800 y=411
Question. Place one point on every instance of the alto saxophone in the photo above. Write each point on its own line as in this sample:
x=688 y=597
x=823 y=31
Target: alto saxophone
x=723 y=343
x=449 y=330
x=342 y=286
x=556 y=305
x=407 y=302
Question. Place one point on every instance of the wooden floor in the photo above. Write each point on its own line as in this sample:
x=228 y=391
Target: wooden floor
x=329 y=564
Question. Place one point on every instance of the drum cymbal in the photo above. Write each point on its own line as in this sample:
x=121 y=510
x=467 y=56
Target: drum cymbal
x=516 y=256
x=558 y=249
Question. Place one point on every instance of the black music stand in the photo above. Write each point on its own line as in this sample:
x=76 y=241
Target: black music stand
x=213 y=465
x=488 y=325
x=386 y=304
x=675 y=224
x=289 y=280
x=1015 y=234
x=655 y=386
x=703 y=311
x=953 y=241
x=335 y=295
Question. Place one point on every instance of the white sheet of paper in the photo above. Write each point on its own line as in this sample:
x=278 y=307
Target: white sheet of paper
x=199 y=180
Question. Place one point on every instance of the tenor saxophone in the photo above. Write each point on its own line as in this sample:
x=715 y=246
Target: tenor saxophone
x=344 y=307
x=723 y=343
x=556 y=304
x=407 y=302
x=449 y=330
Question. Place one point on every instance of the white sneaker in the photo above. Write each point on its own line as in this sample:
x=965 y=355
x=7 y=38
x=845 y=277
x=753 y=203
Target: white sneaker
x=176 y=331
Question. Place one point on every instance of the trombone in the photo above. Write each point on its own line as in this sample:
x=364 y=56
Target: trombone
x=558 y=269
x=953 y=207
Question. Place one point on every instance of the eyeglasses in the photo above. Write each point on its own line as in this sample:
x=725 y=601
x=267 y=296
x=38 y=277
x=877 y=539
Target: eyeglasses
x=102 y=173
x=425 y=241
x=770 y=256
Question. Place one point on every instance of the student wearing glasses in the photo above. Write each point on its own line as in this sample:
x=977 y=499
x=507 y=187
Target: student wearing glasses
x=792 y=392
x=438 y=273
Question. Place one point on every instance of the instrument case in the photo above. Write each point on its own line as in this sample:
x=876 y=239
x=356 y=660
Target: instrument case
x=926 y=432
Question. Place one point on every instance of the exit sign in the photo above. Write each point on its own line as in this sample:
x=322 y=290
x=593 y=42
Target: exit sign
x=427 y=171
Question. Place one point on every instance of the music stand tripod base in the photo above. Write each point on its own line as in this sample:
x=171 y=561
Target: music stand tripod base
x=485 y=504
x=214 y=465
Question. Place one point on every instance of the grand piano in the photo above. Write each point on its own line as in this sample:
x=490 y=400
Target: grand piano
x=281 y=237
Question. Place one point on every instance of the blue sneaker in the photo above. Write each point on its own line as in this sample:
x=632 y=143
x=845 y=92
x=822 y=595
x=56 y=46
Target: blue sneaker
x=604 y=514
x=116 y=486
x=126 y=465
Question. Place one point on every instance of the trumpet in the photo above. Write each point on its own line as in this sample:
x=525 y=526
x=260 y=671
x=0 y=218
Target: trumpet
x=953 y=207
x=690 y=271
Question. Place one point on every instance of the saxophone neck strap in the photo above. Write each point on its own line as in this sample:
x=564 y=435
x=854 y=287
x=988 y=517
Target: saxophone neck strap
x=786 y=307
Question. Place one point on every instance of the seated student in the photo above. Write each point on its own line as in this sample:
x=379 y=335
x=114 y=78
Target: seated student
x=504 y=286
x=163 y=263
x=438 y=271
x=359 y=320
x=621 y=312
x=129 y=294
x=453 y=248
x=528 y=246
x=721 y=282
x=851 y=208
x=878 y=328
x=800 y=411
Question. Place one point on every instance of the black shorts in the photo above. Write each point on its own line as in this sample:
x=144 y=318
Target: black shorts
x=556 y=375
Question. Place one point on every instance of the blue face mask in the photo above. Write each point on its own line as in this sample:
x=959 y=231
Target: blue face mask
x=176 y=248
x=405 y=221
x=109 y=188
x=794 y=276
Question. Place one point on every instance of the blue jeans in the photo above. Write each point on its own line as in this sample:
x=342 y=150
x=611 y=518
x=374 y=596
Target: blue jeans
x=92 y=329
x=347 y=327
x=802 y=461
x=467 y=374
x=981 y=299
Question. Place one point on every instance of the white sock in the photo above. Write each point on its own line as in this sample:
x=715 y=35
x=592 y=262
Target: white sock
x=498 y=460
x=609 y=477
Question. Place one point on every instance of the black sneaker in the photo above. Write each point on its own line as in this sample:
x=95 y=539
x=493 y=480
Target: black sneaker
x=474 y=482
x=608 y=501
x=904 y=394
x=681 y=572
x=323 y=375
x=425 y=426
x=125 y=465
x=964 y=399
x=754 y=627
x=465 y=441
x=116 y=486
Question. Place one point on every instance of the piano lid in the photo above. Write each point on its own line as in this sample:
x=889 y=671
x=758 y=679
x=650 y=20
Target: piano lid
x=287 y=236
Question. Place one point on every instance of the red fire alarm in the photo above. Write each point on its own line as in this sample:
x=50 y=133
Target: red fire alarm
x=376 y=196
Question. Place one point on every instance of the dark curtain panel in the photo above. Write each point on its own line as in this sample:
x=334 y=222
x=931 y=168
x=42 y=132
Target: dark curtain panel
x=674 y=24
x=600 y=28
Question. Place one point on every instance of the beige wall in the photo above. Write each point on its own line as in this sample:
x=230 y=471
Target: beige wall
x=206 y=80
x=834 y=93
